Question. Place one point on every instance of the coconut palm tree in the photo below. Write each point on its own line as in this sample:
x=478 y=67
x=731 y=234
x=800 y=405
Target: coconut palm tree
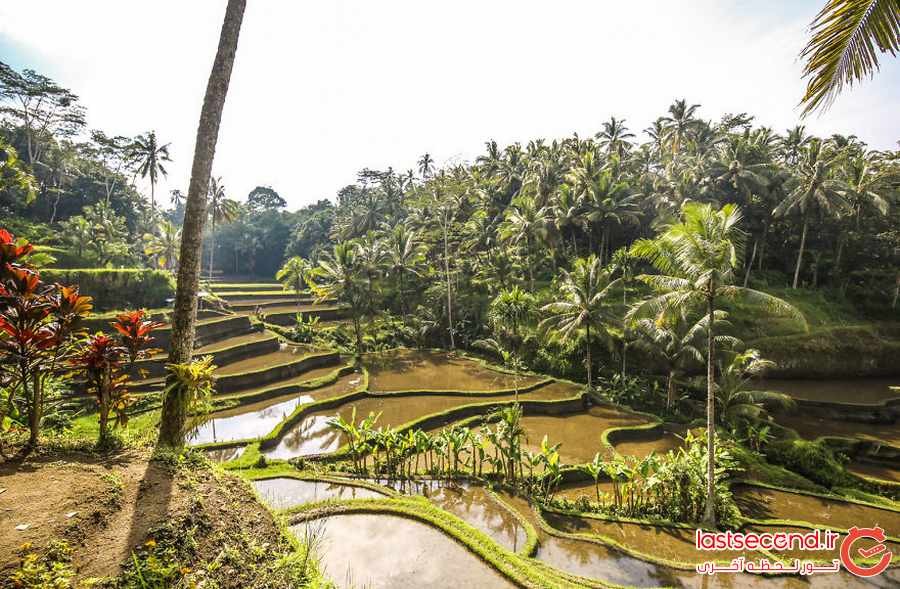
x=736 y=403
x=526 y=223
x=339 y=277
x=675 y=341
x=149 y=158
x=847 y=36
x=697 y=258
x=404 y=256
x=221 y=210
x=585 y=303
x=164 y=244
x=294 y=274
x=175 y=404
x=614 y=137
x=679 y=124
x=609 y=203
x=370 y=256
x=426 y=165
x=816 y=190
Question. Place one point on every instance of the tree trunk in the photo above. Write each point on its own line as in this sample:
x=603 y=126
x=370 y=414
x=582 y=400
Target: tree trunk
x=447 y=274
x=750 y=264
x=670 y=390
x=837 y=258
x=762 y=246
x=152 y=195
x=174 y=411
x=896 y=292
x=588 y=356
x=709 y=512
x=800 y=253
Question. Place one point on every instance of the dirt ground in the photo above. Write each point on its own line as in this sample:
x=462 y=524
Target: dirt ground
x=106 y=507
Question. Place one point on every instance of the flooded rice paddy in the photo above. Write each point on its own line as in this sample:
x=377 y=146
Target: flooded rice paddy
x=313 y=435
x=404 y=370
x=388 y=551
x=856 y=391
x=762 y=503
x=246 y=422
x=284 y=492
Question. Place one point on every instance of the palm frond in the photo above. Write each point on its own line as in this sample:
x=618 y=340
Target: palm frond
x=847 y=38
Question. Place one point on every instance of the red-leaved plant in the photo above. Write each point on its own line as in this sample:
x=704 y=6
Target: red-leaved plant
x=38 y=329
x=104 y=361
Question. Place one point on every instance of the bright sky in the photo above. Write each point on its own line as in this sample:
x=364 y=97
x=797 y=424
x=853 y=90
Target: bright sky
x=323 y=89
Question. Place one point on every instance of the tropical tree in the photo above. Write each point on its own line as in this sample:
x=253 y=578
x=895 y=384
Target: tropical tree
x=426 y=165
x=404 y=257
x=847 y=36
x=163 y=245
x=737 y=404
x=184 y=317
x=816 y=191
x=526 y=224
x=149 y=159
x=614 y=137
x=676 y=343
x=585 y=303
x=339 y=277
x=697 y=258
x=221 y=210
x=294 y=274
x=679 y=124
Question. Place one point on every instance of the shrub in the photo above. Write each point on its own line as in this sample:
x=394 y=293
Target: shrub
x=118 y=288
x=814 y=460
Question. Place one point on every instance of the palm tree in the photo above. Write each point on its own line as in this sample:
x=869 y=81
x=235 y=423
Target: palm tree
x=815 y=189
x=294 y=274
x=221 y=210
x=736 y=403
x=697 y=258
x=566 y=214
x=404 y=256
x=426 y=165
x=526 y=223
x=585 y=303
x=679 y=124
x=675 y=342
x=164 y=245
x=610 y=203
x=149 y=157
x=338 y=277
x=370 y=256
x=615 y=137
x=847 y=36
x=175 y=404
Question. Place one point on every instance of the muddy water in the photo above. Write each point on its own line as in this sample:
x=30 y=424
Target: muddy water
x=573 y=491
x=246 y=422
x=281 y=493
x=858 y=391
x=472 y=504
x=670 y=438
x=670 y=543
x=232 y=342
x=343 y=385
x=761 y=503
x=387 y=551
x=578 y=433
x=590 y=559
x=313 y=435
x=598 y=562
x=811 y=427
x=225 y=454
x=402 y=370
x=874 y=471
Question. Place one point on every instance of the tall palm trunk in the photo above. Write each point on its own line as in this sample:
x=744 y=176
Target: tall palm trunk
x=750 y=263
x=174 y=411
x=800 y=253
x=588 y=346
x=152 y=195
x=447 y=275
x=670 y=390
x=709 y=512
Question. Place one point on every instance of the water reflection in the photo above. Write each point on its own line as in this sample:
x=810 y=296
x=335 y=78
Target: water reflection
x=247 y=422
x=283 y=492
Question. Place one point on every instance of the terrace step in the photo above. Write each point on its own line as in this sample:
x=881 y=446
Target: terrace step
x=224 y=351
x=250 y=305
x=256 y=372
x=288 y=316
x=249 y=296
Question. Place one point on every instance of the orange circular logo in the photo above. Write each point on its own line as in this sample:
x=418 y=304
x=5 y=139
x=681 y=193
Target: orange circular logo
x=847 y=556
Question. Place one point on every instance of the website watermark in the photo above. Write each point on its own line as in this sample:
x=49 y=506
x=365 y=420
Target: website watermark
x=869 y=558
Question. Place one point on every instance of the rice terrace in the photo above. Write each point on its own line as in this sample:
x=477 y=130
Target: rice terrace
x=660 y=350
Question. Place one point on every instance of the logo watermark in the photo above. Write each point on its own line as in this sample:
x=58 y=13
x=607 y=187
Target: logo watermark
x=859 y=562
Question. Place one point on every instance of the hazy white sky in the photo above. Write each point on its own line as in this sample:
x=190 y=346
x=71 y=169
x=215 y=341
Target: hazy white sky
x=323 y=89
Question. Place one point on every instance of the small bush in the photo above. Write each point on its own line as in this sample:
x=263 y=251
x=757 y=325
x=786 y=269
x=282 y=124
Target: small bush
x=118 y=288
x=813 y=460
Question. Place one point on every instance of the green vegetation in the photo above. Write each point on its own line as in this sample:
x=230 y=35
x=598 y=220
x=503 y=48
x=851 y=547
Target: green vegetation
x=119 y=288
